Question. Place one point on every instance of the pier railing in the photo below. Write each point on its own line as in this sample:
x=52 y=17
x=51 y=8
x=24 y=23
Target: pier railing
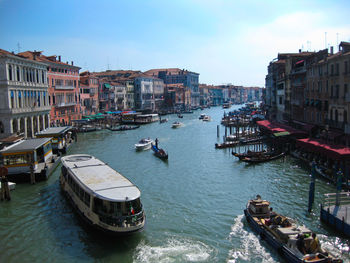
x=330 y=199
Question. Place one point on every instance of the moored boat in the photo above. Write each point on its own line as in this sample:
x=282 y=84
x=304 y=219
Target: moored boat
x=294 y=243
x=263 y=157
x=143 y=144
x=104 y=198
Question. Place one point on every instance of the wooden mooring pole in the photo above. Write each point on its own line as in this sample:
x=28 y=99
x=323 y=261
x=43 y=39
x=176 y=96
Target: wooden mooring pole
x=312 y=187
x=5 y=189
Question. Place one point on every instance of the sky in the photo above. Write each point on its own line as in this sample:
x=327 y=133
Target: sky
x=225 y=41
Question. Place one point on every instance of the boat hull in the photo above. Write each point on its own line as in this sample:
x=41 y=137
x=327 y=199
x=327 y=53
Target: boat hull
x=280 y=247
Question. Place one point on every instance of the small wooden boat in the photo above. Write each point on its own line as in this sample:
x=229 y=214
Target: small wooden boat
x=163 y=120
x=264 y=157
x=180 y=116
x=160 y=153
x=293 y=242
x=124 y=128
x=247 y=154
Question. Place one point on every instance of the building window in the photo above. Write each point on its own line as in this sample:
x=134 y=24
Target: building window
x=346 y=67
x=345 y=89
x=10 y=72
x=18 y=74
x=337 y=69
x=332 y=69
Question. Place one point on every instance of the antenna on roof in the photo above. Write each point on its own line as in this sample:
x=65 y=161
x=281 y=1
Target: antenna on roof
x=107 y=63
x=18 y=48
x=325 y=39
x=338 y=41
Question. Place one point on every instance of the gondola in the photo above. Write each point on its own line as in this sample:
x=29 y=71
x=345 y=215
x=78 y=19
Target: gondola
x=263 y=157
x=247 y=154
x=160 y=153
x=124 y=128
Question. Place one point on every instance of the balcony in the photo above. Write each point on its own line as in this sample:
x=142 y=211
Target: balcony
x=65 y=104
x=61 y=87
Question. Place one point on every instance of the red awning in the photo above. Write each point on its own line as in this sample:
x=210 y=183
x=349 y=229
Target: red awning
x=278 y=127
x=332 y=151
x=299 y=62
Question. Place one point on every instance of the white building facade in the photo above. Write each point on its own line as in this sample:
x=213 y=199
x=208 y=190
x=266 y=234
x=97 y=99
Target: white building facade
x=24 y=105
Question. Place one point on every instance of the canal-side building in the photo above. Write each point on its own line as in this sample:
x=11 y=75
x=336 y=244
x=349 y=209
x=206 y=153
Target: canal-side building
x=89 y=85
x=178 y=96
x=175 y=75
x=24 y=104
x=144 y=93
x=124 y=77
x=63 y=80
x=204 y=97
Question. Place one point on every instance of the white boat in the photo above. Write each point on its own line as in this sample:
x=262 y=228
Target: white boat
x=206 y=118
x=12 y=186
x=104 y=198
x=143 y=144
x=176 y=124
x=202 y=116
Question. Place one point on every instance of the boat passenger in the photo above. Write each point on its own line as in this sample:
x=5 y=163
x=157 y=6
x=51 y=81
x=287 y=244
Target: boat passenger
x=315 y=245
x=272 y=213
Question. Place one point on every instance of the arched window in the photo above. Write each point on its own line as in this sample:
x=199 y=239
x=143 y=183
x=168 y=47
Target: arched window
x=10 y=72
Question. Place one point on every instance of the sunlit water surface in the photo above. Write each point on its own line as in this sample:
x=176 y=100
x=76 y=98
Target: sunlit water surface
x=194 y=202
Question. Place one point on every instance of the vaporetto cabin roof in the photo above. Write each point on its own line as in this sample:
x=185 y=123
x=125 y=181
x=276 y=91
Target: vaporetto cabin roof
x=97 y=176
x=25 y=145
x=54 y=131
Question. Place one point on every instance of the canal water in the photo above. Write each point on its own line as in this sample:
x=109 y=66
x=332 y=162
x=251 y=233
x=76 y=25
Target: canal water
x=194 y=202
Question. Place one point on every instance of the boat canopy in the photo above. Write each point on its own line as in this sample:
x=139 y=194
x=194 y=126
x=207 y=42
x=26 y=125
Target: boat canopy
x=331 y=150
x=25 y=146
x=54 y=131
x=100 y=179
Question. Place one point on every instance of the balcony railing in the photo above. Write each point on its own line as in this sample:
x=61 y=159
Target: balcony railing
x=64 y=87
x=65 y=104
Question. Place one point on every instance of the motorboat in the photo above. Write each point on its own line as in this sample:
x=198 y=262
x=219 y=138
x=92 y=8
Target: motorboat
x=293 y=242
x=143 y=144
x=202 y=116
x=176 y=124
x=102 y=197
x=206 y=118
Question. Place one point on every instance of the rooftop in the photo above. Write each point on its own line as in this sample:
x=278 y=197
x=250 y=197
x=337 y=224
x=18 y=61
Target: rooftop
x=25 y=145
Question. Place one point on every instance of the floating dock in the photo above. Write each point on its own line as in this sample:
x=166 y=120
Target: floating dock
x=335 y=212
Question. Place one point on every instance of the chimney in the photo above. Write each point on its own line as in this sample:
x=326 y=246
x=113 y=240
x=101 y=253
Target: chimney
x=72 y=63
x=332 y=50
x=59 y=58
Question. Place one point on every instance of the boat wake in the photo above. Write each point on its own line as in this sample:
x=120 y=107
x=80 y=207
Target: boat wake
x=174 y=250
x=247 y=247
